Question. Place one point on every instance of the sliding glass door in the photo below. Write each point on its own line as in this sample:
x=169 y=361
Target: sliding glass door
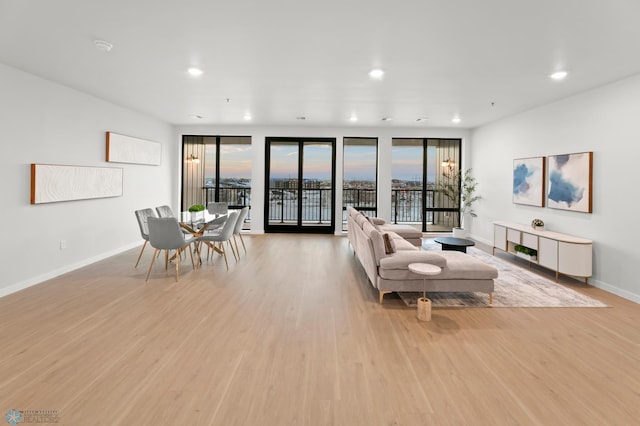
x=300 y=193
x=419 y=167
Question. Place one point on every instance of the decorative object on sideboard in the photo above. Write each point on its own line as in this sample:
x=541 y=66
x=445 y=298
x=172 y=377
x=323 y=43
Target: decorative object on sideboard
x=537 y=224
x=570 y=182
x=528 y=181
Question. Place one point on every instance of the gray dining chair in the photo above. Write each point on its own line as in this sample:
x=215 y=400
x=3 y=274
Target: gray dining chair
x=142 y=216
x=216 y=240
x=219 y=209
x=165 y=211
x=165 y=234
x=238 y=228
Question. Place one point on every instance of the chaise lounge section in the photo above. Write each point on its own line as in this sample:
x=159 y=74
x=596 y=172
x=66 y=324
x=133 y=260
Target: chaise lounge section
x=388 y=267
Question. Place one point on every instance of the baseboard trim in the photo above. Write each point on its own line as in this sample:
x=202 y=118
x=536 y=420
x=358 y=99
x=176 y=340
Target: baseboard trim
x=481 y=240
x=625 y=294
x=5 y=291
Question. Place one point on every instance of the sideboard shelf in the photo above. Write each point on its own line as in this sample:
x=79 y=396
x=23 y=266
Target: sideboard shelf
x=564 y=254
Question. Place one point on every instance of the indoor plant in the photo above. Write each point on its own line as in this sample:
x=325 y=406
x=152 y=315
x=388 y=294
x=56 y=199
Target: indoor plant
x=526 y=252
x=460 y=189
x=195 y=209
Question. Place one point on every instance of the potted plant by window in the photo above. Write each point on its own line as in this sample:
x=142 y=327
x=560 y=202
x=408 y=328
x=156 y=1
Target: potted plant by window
x=460 y=190
x=195 y=210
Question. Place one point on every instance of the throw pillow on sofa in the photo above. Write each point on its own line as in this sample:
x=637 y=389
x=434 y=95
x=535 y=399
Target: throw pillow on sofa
x=389 y=244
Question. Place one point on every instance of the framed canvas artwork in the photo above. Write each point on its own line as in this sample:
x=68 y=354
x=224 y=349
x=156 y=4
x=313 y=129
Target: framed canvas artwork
x=570 y=182
x=52 y=183
x=528 y=181
x=127 y=149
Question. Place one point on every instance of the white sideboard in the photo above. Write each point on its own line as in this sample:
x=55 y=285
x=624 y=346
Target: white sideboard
x=562 y=253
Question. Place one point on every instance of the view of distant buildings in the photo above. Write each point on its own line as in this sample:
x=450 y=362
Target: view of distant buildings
x=228 y=182
x=312 y=183
x=289 y=183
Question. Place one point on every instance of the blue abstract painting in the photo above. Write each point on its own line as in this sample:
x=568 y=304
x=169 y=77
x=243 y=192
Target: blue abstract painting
x=528 y=181
x=570 y=182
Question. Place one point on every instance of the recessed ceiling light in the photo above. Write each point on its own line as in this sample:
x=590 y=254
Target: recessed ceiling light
x=422 y=119
x=558 y=75
x=302 y=117
x=456 y=120
x=247 y=117
x=387 y=119
x=376 y=73
x=353 y=118
x=196 y=116
x=102 y=45
x=195 y=71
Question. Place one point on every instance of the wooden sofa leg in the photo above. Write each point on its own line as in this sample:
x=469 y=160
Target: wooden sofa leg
x=382 y=293
x=491 y=298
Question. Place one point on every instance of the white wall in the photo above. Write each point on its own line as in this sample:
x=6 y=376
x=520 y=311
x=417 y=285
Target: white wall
x=603 y=120
x=260 y=133
x=42 y=122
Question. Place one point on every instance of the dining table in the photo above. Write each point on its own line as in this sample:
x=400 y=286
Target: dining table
x=199 y=225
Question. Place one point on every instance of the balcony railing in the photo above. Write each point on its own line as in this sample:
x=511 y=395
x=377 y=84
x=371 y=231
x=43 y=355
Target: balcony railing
x=315 y=203
x=406 y=206
x=361 y=199
x=237 y=197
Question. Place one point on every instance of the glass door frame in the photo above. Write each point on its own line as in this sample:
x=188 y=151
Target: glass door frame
x=206 y=194
x=299 y=227
x=425 y=211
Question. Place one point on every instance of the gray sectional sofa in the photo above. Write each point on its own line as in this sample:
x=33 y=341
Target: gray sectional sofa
x=389 y=272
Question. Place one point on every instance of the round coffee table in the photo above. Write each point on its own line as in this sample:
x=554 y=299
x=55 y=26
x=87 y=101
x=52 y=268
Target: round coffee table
x=424 y=304
x=455 y=244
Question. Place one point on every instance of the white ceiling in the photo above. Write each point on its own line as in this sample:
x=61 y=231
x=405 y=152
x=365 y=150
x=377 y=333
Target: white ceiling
x=280 y=59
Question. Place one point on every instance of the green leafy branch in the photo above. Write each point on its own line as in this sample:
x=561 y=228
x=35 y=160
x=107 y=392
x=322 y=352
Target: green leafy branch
x=525 y=250
x=460 y=189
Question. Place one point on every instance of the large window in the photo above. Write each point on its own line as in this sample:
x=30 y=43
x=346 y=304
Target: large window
x=418 y=167
x=216 y=168
x=359 y=176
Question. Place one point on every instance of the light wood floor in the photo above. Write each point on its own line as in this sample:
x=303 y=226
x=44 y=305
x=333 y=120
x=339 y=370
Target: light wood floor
x=293 y=335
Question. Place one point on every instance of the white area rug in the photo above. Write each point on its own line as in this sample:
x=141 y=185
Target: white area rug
x=515 y=287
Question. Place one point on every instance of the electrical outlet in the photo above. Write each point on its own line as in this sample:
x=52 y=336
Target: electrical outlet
x=63 y=244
